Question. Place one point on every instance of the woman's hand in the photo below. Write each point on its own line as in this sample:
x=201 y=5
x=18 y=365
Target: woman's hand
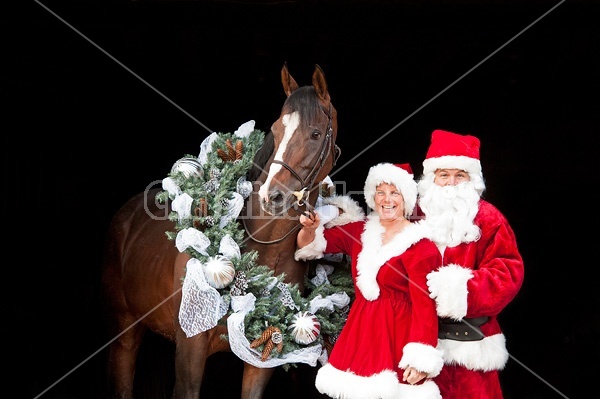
x=309 y=221
x=412 y=375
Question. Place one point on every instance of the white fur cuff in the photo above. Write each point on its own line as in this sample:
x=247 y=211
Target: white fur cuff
x=315 y=249
x=423 y=357
x=448 y=286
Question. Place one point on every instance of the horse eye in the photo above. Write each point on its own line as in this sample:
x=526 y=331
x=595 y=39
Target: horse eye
x=315 y=135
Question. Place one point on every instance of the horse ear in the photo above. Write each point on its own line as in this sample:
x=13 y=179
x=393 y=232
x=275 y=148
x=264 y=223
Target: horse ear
x=289 y=84
x=319 y=83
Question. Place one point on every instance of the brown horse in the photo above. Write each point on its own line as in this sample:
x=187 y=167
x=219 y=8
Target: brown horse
x=143 y=270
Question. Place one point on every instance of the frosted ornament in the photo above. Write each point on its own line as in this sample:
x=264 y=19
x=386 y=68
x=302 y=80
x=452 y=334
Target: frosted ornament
x=188 y=166
x=244 y=187
x=219 y=271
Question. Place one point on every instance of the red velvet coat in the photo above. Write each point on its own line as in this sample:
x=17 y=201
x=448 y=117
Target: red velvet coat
x=477 y=279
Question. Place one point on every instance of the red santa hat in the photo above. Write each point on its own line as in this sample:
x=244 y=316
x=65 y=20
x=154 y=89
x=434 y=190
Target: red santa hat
x=400 y=175
x=452 y=151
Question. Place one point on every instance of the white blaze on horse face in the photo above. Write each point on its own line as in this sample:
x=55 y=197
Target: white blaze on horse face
x=291 y=123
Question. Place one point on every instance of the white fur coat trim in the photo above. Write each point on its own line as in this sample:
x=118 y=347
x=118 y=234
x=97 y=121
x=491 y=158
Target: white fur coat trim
x=374 y=254
x=423 y=357
x=352 y=212
x=448 y=286
x=315 y=249
x=384 y=385
x=488 y=354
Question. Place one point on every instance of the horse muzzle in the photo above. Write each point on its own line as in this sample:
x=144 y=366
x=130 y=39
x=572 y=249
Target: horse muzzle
x=279 y=202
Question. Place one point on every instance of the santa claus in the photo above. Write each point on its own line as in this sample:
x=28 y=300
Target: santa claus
x=482 y=269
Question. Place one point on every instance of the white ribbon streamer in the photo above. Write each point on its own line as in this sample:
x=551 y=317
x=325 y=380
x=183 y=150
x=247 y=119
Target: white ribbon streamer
x=201 y=305
x=324 y=358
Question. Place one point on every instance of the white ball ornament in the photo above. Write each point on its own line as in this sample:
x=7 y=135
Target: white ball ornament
x=305 y=328
x=219 y=271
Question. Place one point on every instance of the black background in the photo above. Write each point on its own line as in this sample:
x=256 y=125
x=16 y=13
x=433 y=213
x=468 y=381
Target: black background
x=101 y=97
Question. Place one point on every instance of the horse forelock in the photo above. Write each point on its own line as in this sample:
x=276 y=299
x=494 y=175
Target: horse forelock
x=306 y=102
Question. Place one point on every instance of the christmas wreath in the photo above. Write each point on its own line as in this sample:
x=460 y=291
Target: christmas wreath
x=277 y=324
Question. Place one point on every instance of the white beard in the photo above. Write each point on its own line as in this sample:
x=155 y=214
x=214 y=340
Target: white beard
x=450 y=211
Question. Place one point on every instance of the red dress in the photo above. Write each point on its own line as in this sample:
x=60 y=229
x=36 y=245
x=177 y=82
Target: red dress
x=392 y=322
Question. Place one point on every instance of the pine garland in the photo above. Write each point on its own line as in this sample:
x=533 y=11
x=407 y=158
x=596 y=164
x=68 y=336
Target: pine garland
x=211 y=188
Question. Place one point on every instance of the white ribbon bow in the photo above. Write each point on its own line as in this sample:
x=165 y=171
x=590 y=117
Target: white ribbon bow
x=229 y=248
x=192 y=237
x=234 y=207
x=169 y=185
x=245 y=129
x=182 y=204
x=338 y=299
x=206 y=148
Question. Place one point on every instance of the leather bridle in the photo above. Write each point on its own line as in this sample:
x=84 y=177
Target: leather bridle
x=327 y=147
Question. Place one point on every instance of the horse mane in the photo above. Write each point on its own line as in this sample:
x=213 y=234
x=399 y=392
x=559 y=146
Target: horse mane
x=261 y=157
x=305 y=99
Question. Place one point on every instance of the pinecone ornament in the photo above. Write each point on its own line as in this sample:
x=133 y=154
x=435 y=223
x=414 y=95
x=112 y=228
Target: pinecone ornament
x=271 y=338
x=232 y=154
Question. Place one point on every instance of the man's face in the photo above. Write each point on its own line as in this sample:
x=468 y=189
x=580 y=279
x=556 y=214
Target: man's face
x=450 y=177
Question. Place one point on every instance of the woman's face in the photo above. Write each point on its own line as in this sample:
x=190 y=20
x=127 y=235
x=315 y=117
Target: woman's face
x=389 y=202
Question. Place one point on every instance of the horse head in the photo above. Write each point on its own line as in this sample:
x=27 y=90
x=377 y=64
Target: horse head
x=304 y=146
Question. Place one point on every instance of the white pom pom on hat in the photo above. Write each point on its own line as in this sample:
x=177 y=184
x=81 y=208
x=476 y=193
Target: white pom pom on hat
x=400 y=175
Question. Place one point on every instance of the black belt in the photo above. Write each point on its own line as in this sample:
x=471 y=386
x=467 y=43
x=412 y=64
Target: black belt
x=466 y=329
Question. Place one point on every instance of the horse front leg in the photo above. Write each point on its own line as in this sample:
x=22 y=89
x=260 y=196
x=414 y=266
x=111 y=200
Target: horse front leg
x=190 y=361
x=254 y=381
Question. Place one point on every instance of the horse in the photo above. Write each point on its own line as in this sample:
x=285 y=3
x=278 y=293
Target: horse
x=142 y=271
